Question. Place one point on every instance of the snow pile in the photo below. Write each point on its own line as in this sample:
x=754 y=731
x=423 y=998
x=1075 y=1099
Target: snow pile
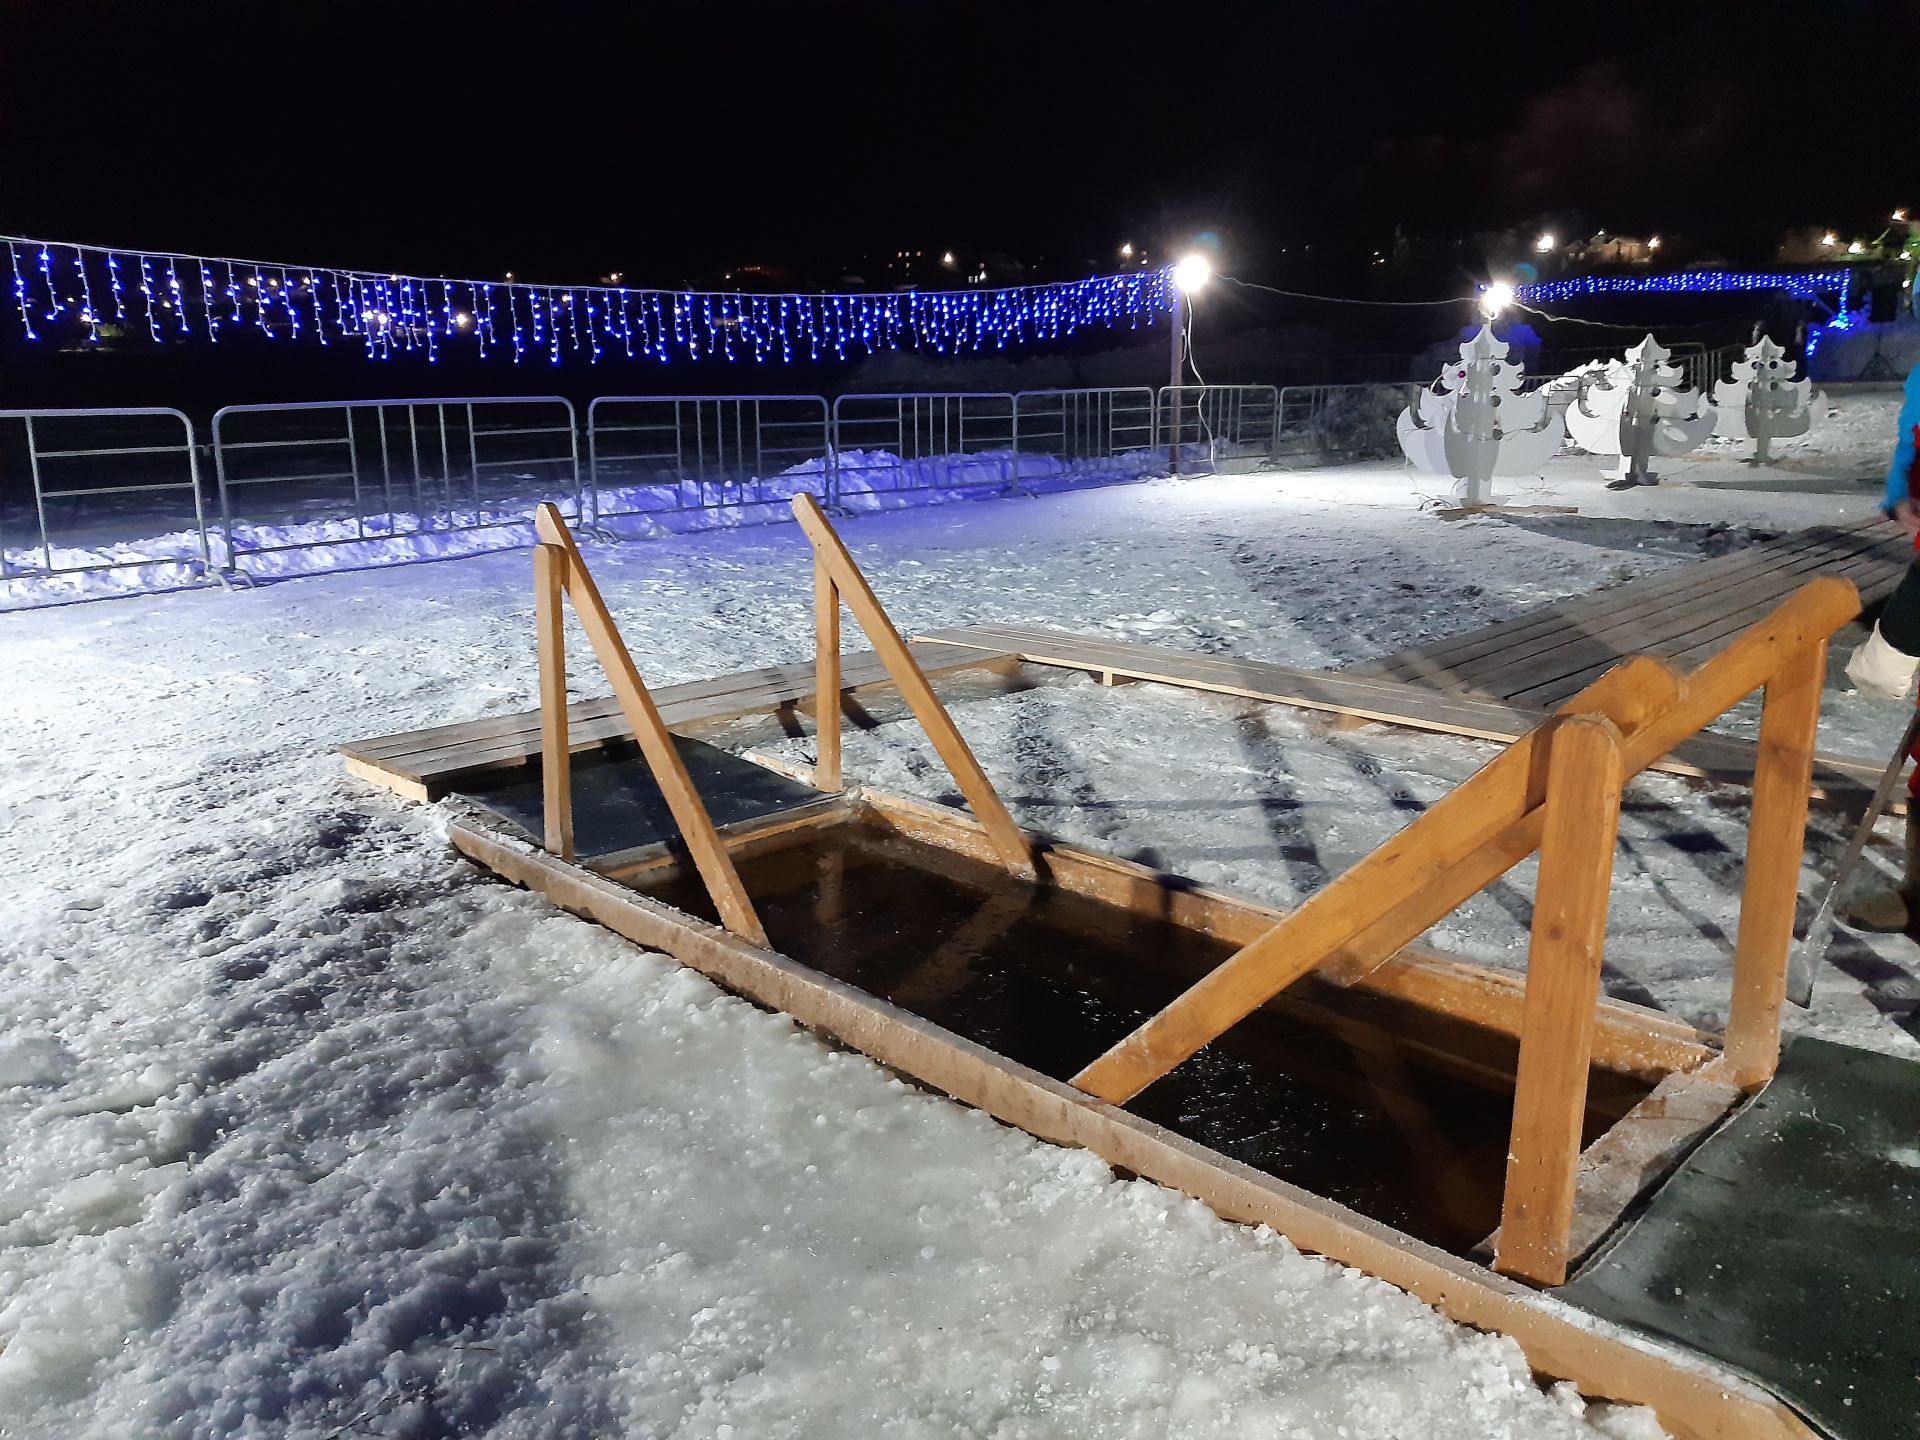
x=297 y=542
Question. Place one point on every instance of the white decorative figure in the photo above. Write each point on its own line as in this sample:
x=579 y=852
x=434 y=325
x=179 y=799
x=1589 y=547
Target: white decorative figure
x=1636 y=410
x=1762 y=402
x=1478 y=424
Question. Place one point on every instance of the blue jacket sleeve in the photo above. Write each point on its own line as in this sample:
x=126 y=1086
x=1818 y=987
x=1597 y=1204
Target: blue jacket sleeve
x=1900 y=474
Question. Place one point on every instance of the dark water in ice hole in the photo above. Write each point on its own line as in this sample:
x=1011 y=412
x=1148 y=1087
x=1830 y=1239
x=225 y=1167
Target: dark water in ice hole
x=1050 y=979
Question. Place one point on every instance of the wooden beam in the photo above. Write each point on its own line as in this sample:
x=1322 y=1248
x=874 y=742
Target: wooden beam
x=710 y=856
x=1640 y=1150
x=826 y=677
x=1693 y=1398
x=556 y=756
x=1776 y=845
x=1563 y=984
x=1414 y=876
x=1010 y=843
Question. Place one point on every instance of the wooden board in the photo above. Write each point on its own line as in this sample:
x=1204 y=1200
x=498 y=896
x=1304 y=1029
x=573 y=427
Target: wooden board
x=1842 y=781
x=1694 y=1399
x=1687 y=615
x=426 y=764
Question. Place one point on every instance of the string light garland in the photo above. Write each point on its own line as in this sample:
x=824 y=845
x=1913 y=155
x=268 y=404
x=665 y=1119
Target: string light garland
x=433 y=316
x=1803 y=284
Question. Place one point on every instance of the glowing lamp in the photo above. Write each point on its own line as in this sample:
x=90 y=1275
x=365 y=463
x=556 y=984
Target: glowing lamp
x=1495 y=298
x=1191 y=272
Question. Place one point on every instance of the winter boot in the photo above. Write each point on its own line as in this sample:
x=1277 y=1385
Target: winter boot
x=1895 y=911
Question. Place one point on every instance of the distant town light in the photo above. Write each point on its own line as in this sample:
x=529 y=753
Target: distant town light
x=946 y=257
x=1856 y=248
x=1126 y=249
x=1654 y=243
x=1829 y=239
x=1545 y=243
x=1495 y=298
x=462 y=319
x=1191 y=272
x=1900 y=215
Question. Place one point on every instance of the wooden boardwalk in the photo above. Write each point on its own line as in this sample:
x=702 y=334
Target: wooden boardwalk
x=1495 y=683
x=1838 y=779
x=426 y=764
x=1686 y=615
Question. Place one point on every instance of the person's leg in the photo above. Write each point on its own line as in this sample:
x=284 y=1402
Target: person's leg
x=1893 y=910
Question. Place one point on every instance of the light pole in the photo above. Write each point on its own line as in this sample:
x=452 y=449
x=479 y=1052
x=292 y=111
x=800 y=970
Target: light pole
x=1188 y=276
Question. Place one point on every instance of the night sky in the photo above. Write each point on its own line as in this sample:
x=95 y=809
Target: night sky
x=670 y=141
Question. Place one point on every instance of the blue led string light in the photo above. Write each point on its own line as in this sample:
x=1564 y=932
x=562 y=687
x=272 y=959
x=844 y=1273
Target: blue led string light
x=394 y=312
x=146 y=295
x=20 y=294
x=1802 y=284
x=113 y=284
x=87 y=312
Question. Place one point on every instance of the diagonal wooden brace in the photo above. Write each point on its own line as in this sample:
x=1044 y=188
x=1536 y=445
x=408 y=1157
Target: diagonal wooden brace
x=710 y=856
x=1012 y=846
x=1408 y=875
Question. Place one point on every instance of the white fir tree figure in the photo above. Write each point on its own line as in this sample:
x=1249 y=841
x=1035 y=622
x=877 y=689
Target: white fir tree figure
x=1478 y=425
x=1762 y=402
x=1636 y=410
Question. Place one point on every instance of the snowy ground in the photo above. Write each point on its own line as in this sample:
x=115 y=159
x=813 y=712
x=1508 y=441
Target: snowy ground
x=312 y=1130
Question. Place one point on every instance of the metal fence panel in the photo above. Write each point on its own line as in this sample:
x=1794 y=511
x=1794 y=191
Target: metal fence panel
x=1213 y=425
x=903 y=443
x=78 y=486
x=1101 y=434
x=1334 y=424
x=329 y=473
x=658 y=454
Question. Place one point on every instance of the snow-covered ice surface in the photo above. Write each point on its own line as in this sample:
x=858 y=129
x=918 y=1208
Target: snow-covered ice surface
x=311 y=1129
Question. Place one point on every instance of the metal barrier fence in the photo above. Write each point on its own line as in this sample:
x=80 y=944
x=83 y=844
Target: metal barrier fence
x=903 y=443
x=89 y=491
x=308 y=477
x=1109 y=434
x=327 y=473
x=1333 y=424
x=658 y=454
x=1212 y=424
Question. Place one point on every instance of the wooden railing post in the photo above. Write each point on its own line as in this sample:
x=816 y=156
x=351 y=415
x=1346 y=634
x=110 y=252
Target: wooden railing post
x=1563 y=991
x=826 y=673
x=1776 y=844
x=556 y=753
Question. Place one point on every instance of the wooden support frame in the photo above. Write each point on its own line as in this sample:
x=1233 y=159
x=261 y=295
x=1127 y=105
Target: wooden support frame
x=556 y=752
x=826 y=676
x=842 y=574
x=1488 y=825
x=1408 y=884
x=1563 y=984
x=1789 y=720
x=709 y=854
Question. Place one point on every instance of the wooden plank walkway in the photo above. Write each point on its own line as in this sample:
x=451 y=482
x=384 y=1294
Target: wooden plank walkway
x=426 y=764
x=1686 y=615
x=1838 y=779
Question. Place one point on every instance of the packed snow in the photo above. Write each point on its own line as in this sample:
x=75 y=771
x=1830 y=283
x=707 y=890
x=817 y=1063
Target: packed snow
x=314 y=1130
